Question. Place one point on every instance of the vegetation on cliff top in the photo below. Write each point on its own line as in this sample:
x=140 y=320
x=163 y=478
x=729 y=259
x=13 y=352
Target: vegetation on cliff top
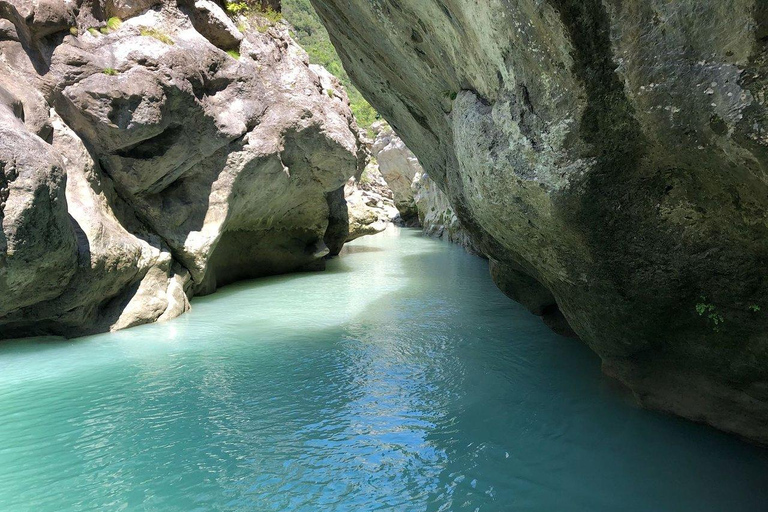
x=311 y=35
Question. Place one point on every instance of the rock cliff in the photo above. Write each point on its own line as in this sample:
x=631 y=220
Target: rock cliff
x=417 y=198
x=398 y=166
x=157 y=156
x=610 y=158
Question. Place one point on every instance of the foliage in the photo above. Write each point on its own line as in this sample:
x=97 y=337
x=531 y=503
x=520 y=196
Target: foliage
x=247 y=7
x=114 y=23
x=234 y=54
x=237 y=7
x=311 y=35
x=73 y=31
x=160 y=36
x=271 y=15
x=365 y=178
x=93 y=31
x=110 y=71
x=754 y=308
x=710 y=312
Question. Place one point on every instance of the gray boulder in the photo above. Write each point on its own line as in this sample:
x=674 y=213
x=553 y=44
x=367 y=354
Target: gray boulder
x=145 y=165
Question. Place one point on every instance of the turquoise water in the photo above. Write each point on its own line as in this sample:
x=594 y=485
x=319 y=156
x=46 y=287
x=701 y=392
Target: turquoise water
x=400 y=379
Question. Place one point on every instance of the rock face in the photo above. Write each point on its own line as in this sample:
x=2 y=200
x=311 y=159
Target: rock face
x=436 y=215
x=414 y=192
x=141 y=164
x=399 y=167
x=369 y=203
x=611 y=160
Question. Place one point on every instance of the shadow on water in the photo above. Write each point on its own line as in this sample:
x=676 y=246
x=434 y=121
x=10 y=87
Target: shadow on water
x=357 y=249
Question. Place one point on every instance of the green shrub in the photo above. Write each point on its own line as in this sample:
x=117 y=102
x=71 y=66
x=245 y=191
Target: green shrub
x=104 y=30
x=235 y=8
x=271 y=15
x=114 y=23
x=234 y=54
x=93 y=31
x=157 y=34
x=312 y=36
x=710 y=312
x=74 y=31
x=110 y=71
x=331 y=92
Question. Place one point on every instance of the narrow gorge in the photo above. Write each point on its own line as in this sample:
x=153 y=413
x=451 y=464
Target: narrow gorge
x=332 y=255
x=610 y=159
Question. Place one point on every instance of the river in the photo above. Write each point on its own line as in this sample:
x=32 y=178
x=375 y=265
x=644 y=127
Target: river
x=399 y=379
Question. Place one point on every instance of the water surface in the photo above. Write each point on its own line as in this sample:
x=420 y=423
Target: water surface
x=401 y=379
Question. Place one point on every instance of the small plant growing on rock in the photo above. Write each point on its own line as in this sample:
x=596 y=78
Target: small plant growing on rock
x=74 y=31
x=237 y=7
x=93 y=31
x=110 y=71
x=160 y=36
x=450 y=95
x=114 y=23
x=710 y=312
x=272 y=15
x=331 y=93
x=754 y=308
x=234 y=54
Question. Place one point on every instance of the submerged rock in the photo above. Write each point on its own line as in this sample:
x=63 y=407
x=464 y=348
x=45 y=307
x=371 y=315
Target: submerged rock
x=610 y=158
x=142 y=164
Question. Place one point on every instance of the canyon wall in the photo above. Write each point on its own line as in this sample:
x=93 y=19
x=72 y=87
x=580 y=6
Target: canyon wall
x=610 y=158
x=417 y=198
x=157 y=156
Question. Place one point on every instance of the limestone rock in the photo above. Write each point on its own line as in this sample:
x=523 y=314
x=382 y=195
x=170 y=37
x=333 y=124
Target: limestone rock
x=146 y=165
x=436 y=214
x=127 y=8
x=369 y=202
x=213 y=23
x=399 y=166
x=612 y=152
x=413 y=191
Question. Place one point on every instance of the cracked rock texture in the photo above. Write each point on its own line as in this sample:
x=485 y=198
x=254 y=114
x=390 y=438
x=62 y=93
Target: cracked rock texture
x=611 y=159
x=145 y=165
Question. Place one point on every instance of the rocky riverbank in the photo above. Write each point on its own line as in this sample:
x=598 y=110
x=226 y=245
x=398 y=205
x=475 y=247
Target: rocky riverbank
x=152 y=151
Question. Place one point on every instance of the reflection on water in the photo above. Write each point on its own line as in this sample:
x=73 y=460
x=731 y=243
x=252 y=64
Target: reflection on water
x=400 y=379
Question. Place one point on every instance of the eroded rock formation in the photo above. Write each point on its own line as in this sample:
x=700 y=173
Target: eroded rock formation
x=610 y=158
x=399 y=167
x=419 y=201
x=143 y=164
